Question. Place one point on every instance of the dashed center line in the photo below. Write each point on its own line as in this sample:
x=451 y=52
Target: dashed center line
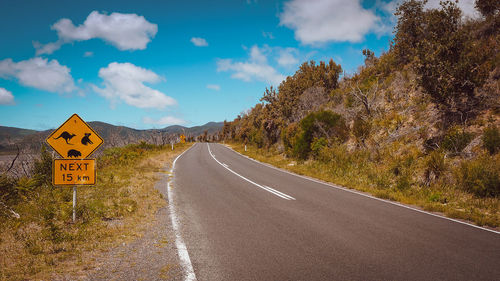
x=264 y=187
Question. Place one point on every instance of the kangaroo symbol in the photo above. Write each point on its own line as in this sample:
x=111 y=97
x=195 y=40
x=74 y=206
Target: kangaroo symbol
x=86 y=140
x=74 y=153
x=66 y=136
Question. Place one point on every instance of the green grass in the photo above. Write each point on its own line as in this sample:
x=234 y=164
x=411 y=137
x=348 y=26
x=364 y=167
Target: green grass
x=44 y=242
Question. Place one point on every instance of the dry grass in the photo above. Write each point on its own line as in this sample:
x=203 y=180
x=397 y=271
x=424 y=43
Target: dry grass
x=44 y=243
x=376 y=177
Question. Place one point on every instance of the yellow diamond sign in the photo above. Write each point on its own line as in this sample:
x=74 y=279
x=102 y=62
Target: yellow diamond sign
x=74 y=139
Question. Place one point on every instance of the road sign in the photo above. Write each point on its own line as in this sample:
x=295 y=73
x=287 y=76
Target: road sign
x=183 y=138
x=74 y=139
x=73 y=172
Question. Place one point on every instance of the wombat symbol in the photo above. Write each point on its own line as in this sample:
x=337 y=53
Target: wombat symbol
x=86 y=140
x=74 y=153
x=66 y=136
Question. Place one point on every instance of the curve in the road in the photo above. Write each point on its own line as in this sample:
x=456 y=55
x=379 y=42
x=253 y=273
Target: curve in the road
x=266 y=188
x=364 y=194
x=235 y=231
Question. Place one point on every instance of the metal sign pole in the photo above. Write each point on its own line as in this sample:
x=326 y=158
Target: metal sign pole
x=74 y=203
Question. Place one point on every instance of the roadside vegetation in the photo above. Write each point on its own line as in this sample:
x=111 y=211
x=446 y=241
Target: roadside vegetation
x=38 y=238
x=419 y=124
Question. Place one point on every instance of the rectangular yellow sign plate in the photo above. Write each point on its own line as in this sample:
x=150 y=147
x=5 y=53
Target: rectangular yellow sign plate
x=73 y=172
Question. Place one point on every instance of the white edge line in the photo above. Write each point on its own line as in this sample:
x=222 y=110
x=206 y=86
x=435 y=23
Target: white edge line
x=179 y=242
x=266 y=188
x=362 y=194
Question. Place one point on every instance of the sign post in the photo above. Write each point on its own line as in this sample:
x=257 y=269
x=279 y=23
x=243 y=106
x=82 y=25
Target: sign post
x=74 y=203
x=74 y=141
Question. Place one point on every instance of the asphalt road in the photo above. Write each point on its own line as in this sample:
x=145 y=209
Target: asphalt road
x=236 y=228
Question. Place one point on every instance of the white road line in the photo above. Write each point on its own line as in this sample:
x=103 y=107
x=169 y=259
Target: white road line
x=276 y=191
x=365 y=195
x=179 y=242
x=266 y=188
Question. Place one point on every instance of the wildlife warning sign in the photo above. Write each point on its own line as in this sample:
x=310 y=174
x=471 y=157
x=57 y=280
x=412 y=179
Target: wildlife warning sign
x=73 y=172
x=74 y=139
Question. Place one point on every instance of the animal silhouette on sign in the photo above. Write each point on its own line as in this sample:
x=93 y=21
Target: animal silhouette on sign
x=74 y=153
x=66 y=136
x=86 y=140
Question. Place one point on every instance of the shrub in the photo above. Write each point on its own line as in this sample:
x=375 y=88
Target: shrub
x=317 y=145
x=456 y=140
x=491 y=139
x=319 y=124
x=42 y=170
x=256 y=136
x=146 y=146
x=434 y=164
x=401 y=169
x=361 y=129
x=288 y=137
x=480 y=176
x=403 y=182
x=7 y=189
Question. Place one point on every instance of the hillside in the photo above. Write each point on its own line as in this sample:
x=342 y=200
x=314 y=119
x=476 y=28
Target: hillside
x=418 y=124
x=31 y=140
x=14 y=133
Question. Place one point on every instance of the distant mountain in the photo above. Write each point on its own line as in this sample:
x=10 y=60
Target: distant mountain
x=14 y=133
x=210 y=127
x=31 y=140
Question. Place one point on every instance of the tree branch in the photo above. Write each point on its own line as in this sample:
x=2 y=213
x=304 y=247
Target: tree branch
x=13 y=160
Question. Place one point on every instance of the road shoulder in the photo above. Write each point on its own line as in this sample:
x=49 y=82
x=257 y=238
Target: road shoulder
x=153 y=256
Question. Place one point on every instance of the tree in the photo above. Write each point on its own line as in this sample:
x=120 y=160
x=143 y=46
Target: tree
x=448 y=64
x=366 y=93
x=309 y=75
x=370 y=58
x=443 y=53
x=488 y=8
x=409 y=30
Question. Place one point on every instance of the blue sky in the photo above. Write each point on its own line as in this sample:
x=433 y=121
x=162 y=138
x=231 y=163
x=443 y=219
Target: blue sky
x=151 y=64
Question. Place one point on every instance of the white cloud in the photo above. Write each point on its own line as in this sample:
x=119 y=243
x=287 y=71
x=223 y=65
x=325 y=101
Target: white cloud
x=213 y=87
x=88 y=54
x=288 y=57
x=48 y=48
x=267 y=35
x=321 y=21
x=39 y=73
x=6 y=97
x=167 y=120
x=124 y=31
x=125 y=81
x=199 y=42
x=255 y=68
